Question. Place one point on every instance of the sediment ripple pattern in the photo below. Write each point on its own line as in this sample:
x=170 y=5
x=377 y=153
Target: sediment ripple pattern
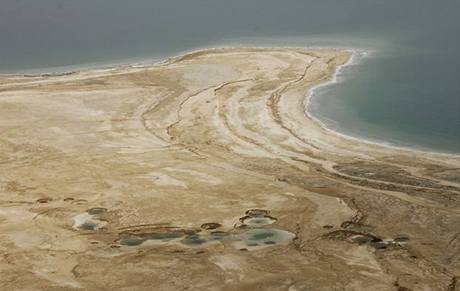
x=134 y=177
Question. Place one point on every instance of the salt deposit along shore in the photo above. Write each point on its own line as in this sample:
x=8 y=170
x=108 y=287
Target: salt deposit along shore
x=204 y=172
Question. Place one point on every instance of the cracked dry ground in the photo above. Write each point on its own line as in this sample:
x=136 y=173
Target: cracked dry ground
x=204 y=172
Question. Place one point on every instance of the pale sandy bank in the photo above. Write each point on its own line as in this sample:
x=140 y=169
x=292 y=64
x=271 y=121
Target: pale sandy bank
x=204 y=172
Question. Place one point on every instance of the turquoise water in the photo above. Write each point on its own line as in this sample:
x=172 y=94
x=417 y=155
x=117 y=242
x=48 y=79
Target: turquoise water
x=406 y=92
x=403 y=98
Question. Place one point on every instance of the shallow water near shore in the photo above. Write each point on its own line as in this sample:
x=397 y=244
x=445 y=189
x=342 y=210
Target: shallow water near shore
x=377 y=98
x=405 y=93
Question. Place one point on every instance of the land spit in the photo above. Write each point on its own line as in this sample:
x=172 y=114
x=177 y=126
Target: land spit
x=204 y=173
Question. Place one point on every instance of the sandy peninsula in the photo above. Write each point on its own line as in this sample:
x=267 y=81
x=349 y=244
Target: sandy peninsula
x=204 y=173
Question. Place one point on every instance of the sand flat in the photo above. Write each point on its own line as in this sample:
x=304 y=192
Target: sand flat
x=167 y=162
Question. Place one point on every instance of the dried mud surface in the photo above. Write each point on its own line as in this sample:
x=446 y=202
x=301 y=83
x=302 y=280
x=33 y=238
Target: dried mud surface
x=203 y=173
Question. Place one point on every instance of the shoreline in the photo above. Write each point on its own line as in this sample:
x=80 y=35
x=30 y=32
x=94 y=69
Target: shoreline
x=332 y=80
x=355 y=53
x=145 y=62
